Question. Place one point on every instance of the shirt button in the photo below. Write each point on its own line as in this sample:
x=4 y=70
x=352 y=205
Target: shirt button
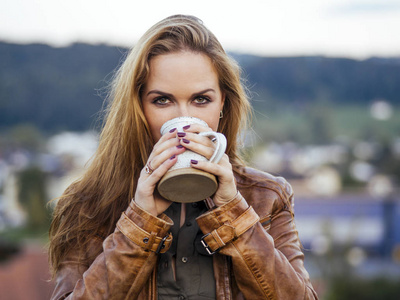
x=195 y=204
x=188 y=224
x=184 y=259
x=181 y=297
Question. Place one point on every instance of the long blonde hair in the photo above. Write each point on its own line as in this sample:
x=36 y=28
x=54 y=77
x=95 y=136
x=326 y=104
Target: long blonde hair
x=92 y=205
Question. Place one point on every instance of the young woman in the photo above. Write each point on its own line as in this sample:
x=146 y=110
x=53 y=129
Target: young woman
x=114 y=237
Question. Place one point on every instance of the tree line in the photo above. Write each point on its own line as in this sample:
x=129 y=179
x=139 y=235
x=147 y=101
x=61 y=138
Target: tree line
x=64 y=88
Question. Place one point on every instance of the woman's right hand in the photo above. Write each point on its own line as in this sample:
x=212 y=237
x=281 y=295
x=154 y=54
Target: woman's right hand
x=163 y=157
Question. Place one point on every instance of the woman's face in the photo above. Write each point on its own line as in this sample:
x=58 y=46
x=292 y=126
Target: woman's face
x=181 y=84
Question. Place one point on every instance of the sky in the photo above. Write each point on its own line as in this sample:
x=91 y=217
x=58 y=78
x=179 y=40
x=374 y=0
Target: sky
x=335 y=28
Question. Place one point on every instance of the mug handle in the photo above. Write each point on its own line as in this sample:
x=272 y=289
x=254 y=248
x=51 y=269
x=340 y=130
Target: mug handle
x=220 y=145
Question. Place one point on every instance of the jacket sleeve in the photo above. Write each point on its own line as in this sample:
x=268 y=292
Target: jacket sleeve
x=266 y=265
x=127 y=259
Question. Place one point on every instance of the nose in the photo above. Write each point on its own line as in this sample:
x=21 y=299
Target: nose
x=183 y=110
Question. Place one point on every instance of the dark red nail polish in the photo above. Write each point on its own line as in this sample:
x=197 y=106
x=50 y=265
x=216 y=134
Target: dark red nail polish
x=179 y=146
x=193 y=161
x=172 y=130
x=181 y=134
x=172 y=157
x=186 y=141
x=186 y=127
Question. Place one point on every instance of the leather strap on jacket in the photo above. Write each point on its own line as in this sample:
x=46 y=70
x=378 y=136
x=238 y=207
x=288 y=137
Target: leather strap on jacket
x=148 y=241
x=228 y=232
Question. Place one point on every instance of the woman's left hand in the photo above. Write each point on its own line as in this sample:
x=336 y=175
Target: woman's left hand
x=223 y=169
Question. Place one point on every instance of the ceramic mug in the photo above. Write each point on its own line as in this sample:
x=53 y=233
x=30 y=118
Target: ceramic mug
x=183 y=183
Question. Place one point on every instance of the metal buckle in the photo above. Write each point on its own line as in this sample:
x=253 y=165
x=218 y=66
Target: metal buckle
x=161 y=244
x=205 y=245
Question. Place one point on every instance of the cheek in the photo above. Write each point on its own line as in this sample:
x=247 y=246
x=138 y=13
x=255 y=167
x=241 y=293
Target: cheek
x=155 y=130
x=212 y=121
x=155 y=122
x=214 y=125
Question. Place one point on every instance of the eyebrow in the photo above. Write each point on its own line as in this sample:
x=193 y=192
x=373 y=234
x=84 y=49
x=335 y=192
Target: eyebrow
x=158 y=92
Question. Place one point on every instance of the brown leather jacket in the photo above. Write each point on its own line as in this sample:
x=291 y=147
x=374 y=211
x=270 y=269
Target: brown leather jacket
x=259 y=254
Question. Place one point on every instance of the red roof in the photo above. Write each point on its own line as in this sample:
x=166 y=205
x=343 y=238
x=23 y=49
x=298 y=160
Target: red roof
x=26 y=275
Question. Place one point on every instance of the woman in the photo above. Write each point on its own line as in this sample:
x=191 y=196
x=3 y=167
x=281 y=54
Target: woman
x=114 y=237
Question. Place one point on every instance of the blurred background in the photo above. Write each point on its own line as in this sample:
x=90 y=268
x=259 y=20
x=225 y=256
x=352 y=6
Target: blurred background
x=324 y=78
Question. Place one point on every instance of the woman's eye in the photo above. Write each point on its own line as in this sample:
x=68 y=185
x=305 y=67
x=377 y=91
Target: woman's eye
x=161 y=100
x=202 y=100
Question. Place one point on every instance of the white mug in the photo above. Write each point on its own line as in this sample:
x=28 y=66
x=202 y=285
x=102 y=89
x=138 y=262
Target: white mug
x=183 y=183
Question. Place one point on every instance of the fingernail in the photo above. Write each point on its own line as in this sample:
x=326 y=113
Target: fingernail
x=172 y=157
x=186 y=141
x=193 y=161
x=186 y=127
x=179 y=146
x=172 y=130
x=181 y=134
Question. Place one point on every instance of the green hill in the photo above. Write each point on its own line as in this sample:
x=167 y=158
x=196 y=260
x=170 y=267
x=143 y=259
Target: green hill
x=63 y=88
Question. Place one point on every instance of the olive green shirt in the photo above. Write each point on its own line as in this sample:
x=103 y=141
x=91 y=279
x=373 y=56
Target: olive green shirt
x=194 y=266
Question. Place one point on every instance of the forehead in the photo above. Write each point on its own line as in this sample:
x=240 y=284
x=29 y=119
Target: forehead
x=185 y=65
